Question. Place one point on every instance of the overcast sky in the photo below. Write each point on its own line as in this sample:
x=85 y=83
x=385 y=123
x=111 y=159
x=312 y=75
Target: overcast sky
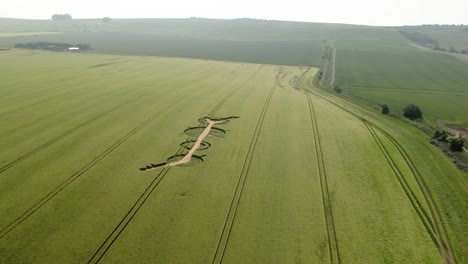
x=365 y=12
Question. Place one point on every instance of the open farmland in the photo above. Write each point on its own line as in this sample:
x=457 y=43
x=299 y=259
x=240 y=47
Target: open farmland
x=398 y=75
x=298 y=52
x=299 y=177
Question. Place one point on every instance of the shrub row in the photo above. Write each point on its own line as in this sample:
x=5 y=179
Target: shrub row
x=445 y=146
x=51 y=46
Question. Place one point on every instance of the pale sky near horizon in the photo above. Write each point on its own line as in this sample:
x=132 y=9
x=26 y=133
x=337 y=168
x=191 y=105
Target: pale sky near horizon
x=364 y=12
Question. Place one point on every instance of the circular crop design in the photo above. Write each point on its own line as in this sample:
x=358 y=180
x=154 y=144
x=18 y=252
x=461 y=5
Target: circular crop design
x=189 y=144
x=194 y=161
x=196 y=131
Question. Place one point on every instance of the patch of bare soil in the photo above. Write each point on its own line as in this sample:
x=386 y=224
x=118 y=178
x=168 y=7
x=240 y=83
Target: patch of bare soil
x=197 y=144
x=457 y=131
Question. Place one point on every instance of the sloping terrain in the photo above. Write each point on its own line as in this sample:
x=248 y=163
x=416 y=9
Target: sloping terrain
x=300 y=176
x=398 y=75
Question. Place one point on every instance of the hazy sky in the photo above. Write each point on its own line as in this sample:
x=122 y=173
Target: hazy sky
x=367 y=12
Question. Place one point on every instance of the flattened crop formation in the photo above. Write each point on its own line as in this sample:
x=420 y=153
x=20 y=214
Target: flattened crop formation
x=192 y=143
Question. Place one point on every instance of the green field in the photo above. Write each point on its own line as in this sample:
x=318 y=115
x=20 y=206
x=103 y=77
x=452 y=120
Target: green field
x=398 y=75
x=300 y=177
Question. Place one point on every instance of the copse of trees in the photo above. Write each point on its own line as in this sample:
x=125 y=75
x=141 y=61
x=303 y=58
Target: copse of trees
x=438 y=48
x=453 y=145
x=412 y=112
x=61 y=17
x=106 y=19
x=440 y=135
x=456 y=144
x=51 y=46
x=385 y=109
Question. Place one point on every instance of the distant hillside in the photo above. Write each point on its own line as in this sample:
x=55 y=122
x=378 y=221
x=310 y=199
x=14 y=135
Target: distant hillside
x=451 y=38
x=375 y=64
x=247 y=40
x=231 y=29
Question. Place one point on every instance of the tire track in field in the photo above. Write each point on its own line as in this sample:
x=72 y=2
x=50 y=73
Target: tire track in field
x=61 y=93
x=68 y=132
x=218 y=106
x=58 y=138
x=28 y=106
x=121 y=93
x=83 y=170
x=121 y=226
x=109 y=241
x=47 y=99
x=326 y=200
x=26 y=124
x=417 y=206
x=436 y=220
x=230 y=218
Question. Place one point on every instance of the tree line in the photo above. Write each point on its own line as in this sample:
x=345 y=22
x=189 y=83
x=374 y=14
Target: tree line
x=52 y=46
x=61 y=17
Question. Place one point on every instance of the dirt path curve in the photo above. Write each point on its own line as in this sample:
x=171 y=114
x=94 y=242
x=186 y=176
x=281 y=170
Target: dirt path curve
x=454 y=130
x=188 y=156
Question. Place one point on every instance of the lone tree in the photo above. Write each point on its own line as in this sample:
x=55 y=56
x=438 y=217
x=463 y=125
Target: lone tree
x=61 y=17
x=456 y=144
x=337 y=89
x=385 y=109
x=106 y=19
x=412 y=112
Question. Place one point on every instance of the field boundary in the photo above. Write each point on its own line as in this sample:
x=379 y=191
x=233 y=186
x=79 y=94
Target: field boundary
x=333 y=248
x=227 y=228
x=328 y=66
x=437 y=222
x=416 y=204
x=434 y=214
x=409 y=90
x=333 y=65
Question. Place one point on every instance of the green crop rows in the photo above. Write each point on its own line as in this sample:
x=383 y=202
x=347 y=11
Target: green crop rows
x=299 y=177
x=398 y=75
